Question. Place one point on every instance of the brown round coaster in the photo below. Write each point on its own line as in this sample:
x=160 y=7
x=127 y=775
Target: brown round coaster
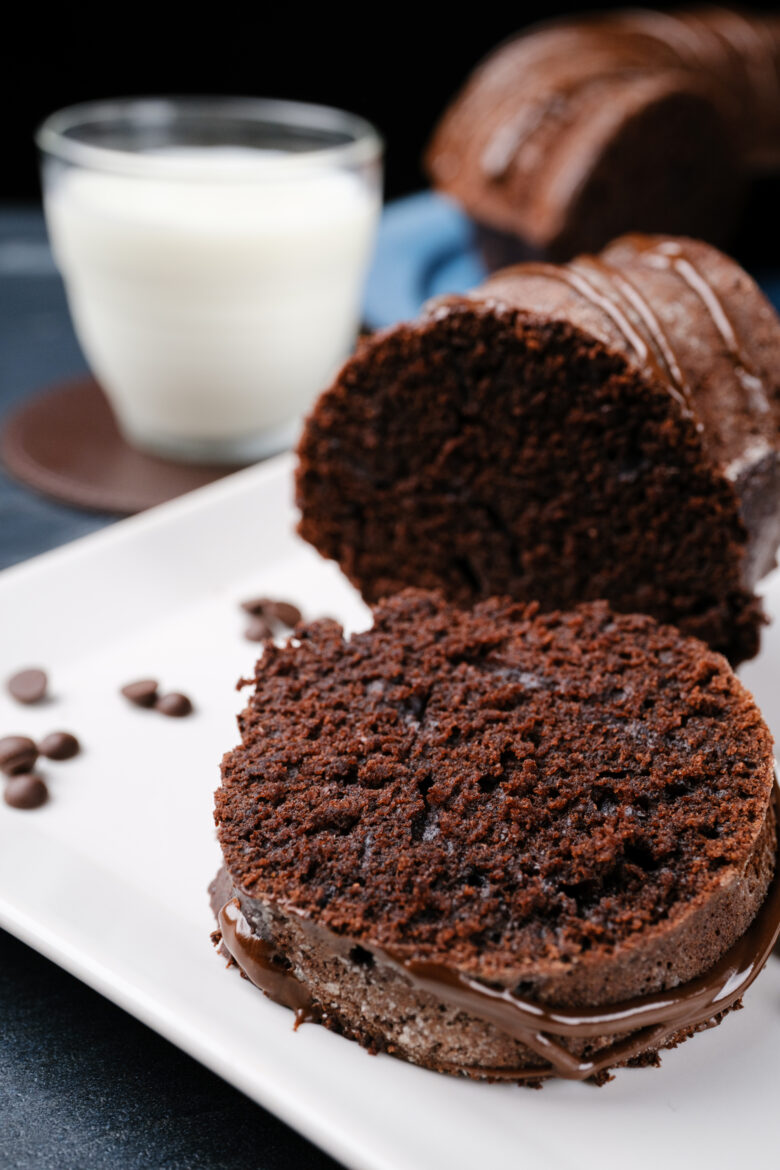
x=64 y=442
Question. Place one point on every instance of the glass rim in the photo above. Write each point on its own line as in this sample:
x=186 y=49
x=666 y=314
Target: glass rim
x=51 y=137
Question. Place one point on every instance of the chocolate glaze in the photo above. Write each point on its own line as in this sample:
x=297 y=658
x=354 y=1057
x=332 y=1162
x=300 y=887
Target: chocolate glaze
x=261 y=962
x=671 y=254
x=656 y=335
x=637 y=1026
x=604 y=286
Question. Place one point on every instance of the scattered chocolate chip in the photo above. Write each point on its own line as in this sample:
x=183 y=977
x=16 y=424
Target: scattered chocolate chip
x=174 y=704
x=18 y=753
x=28 y=686
x=25 y=791
x=59 y=745
x=143 y=693
x=283 y=611
x=258 y=630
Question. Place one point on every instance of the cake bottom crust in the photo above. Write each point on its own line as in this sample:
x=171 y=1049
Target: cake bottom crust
x=367 y=996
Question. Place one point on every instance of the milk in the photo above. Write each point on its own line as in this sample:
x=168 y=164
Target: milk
x=215 y=292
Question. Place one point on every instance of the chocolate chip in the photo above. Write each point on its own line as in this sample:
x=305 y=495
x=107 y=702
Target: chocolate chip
x=59 y=745
x=255 y=605
x=174 y=704
x=28 y=686
x=283 y=611
x=26 y=791
x=18 y=753
x=143 y=693
x=258 y=630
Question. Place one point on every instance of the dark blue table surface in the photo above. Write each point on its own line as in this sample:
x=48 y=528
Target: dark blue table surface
x=84 y=1086
x=37 y=347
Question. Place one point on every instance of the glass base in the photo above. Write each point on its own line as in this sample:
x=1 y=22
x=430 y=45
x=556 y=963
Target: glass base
x=236 y=452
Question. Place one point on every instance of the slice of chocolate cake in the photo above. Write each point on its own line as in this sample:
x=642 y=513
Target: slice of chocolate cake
x=498 y=842
x=603 y=429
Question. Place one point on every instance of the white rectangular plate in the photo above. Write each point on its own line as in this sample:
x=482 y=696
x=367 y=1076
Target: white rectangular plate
x=109 y=879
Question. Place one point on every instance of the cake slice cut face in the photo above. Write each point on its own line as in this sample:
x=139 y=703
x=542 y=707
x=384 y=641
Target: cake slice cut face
x=604 y=429
x=499 y=842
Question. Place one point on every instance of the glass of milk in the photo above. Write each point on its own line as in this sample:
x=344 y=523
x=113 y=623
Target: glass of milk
x=214 y=252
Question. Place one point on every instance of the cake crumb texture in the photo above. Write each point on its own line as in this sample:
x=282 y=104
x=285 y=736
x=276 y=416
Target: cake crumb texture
x=500 y=788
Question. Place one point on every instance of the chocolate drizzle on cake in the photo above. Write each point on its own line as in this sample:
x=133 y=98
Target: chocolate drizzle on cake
x=603 y=285
x=671 y=254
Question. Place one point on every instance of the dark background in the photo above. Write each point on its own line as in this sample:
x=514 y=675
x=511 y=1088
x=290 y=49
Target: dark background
x=395 y=65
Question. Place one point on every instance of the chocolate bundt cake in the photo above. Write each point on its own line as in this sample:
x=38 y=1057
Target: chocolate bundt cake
x=576 y=131
x=499 y=842
x=607 y=429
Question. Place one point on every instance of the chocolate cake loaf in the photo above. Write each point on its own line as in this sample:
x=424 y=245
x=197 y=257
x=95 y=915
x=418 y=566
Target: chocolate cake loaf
x=607 y=429
x=498 y=842
x=577 y=131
